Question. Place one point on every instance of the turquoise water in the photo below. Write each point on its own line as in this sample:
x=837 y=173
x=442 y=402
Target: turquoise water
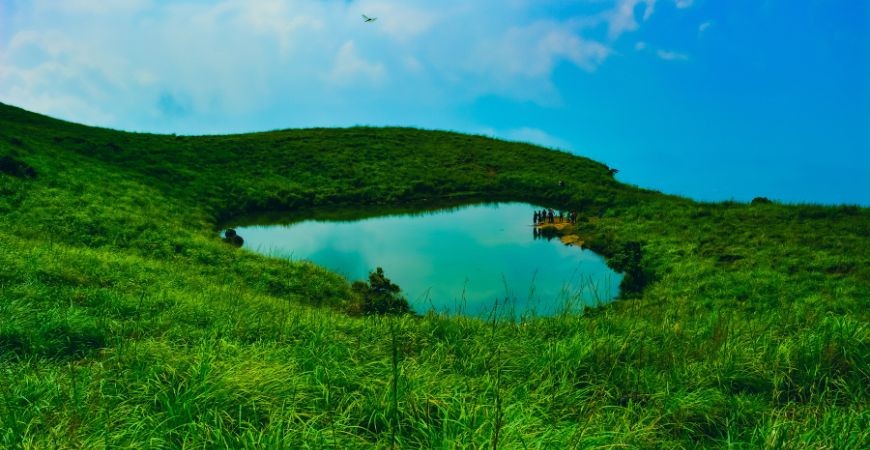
x=460 y=260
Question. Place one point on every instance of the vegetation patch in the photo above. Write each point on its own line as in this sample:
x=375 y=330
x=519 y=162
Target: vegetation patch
x=378 y=296
x=126 y=321
x=12 y=166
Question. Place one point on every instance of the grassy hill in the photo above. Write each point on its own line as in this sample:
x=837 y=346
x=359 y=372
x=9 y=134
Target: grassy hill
x=126 y=321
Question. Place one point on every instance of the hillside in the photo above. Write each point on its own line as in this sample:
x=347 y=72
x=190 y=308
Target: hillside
x=126 y=321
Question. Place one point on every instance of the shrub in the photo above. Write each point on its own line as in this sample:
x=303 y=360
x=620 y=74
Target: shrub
x=13 y=166
x=379 y=296
x=628 y=260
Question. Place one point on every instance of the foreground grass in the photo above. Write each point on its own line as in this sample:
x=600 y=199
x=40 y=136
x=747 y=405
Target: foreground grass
x=124 y=321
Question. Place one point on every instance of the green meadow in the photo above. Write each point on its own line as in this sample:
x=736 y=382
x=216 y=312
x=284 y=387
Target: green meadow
x=125 y=320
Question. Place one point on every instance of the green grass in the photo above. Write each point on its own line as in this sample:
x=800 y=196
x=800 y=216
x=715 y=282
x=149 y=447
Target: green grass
x=126 y=322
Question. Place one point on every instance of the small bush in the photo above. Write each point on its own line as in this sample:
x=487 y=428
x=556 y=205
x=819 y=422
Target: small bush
x=628 y=260
x=13 y=166
x=378 y=296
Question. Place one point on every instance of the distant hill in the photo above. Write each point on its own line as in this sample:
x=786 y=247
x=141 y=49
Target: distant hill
x=293 y=168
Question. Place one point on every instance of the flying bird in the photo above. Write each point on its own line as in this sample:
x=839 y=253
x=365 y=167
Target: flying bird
x=368 y=19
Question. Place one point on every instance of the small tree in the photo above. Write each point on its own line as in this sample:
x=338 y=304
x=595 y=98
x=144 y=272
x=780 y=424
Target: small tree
x=380 y=295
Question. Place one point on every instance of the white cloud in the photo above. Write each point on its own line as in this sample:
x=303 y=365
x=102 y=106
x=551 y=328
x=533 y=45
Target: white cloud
x=28 y=87
x=682 y=4
x=519 y=62
x=412 y=64
x=401 y=20
x=667 y=55
x=529 y=135
x=671 y=55
x=532 y=51
x=235 y=58
x=276 y=18
x=536 y=136
x=704 y=26
x=621 y=18
x=349 y=67
x=99 y=7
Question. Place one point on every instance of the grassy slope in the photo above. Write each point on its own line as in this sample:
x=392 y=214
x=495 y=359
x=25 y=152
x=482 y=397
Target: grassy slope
x=125 y=321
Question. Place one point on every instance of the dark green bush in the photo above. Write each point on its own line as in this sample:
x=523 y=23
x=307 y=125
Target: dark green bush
x=379 y=296
x=628 y=260
x=15 y=167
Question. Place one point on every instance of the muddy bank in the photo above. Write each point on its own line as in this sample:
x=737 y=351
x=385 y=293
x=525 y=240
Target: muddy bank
x=562 y=230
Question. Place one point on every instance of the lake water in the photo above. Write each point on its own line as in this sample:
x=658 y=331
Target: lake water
x=460 y=260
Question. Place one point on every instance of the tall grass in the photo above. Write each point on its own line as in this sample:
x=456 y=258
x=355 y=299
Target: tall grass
x=126 y=322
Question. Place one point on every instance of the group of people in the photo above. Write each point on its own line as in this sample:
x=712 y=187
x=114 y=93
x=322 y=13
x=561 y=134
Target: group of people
x=550 y=216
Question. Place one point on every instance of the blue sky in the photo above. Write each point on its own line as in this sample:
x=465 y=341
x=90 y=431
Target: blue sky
x=714 y=100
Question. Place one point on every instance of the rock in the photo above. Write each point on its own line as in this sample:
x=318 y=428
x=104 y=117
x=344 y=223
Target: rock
x=231 y=237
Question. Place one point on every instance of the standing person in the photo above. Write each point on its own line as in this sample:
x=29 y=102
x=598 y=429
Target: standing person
x=561 y=216
x=551 y=216
x=535 y=217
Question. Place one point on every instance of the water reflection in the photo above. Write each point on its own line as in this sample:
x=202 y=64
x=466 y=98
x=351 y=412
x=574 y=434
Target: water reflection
x=548 y=233
x=462 y=260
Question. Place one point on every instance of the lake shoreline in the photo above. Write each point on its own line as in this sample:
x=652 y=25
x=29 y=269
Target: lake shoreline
x=452 y=256
x=563 y=231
